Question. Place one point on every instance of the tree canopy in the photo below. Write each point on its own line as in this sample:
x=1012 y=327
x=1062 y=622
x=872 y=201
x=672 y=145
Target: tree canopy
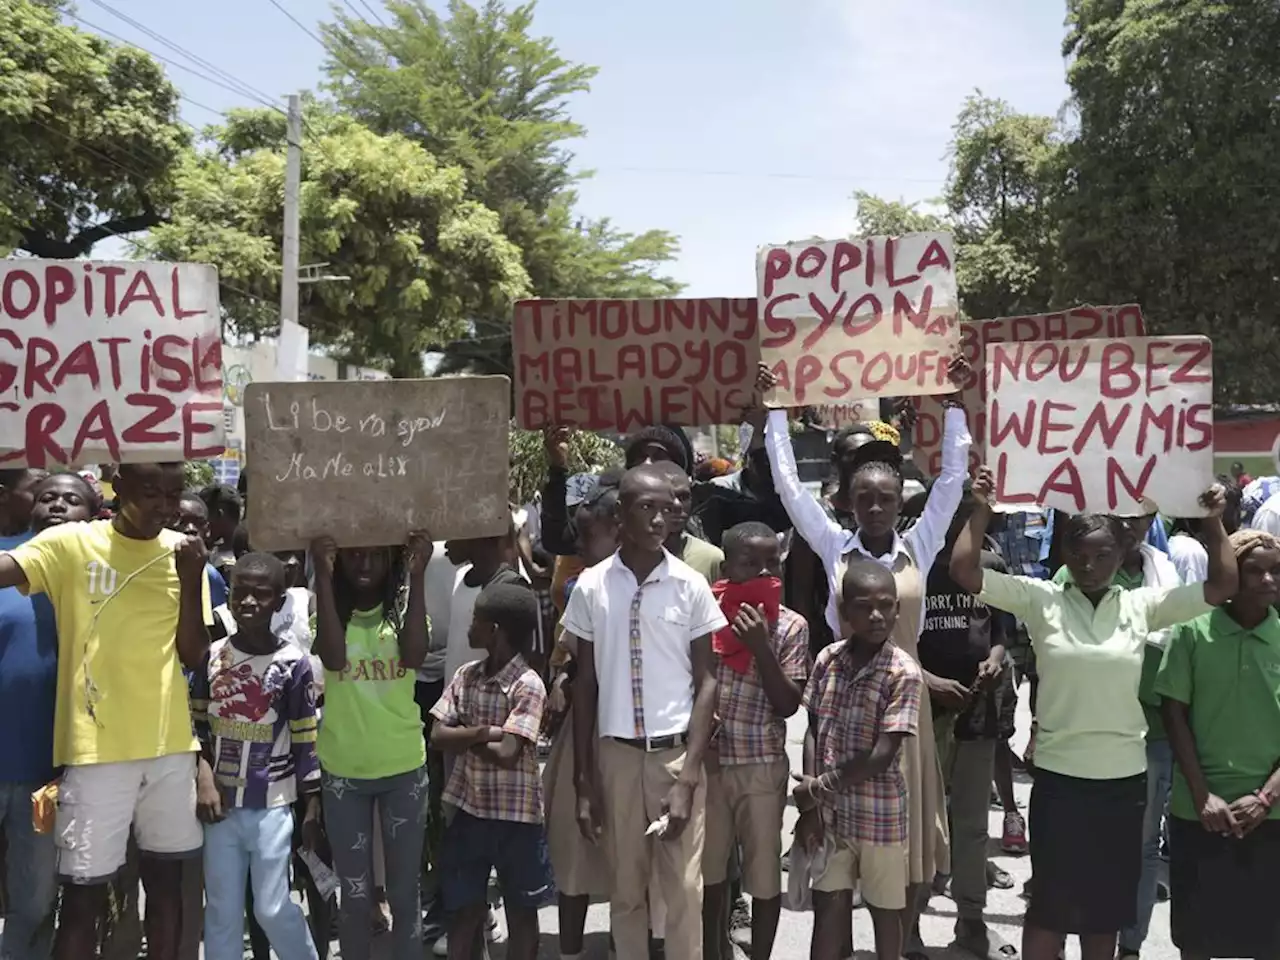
x=90 y=131
x=421 y=258
x=479 y=90
x=1171 y=197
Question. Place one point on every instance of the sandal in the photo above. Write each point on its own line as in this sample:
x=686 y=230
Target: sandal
x=984 y=944
x=998 y=877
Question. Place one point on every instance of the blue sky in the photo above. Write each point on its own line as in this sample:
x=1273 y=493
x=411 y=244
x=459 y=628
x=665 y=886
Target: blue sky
x=731 y=123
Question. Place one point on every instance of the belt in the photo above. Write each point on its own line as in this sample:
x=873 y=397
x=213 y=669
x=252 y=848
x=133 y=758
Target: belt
x=653 y=744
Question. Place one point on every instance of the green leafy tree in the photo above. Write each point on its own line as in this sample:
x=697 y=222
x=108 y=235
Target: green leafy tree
x=1172 y=197
x=1002 y=193
x=1000 y=204
x=421 y=258
x=479 y=90
x=90 y=132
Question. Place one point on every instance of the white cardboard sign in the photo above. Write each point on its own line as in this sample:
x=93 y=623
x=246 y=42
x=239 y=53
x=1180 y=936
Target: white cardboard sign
x=1121 y=427
x=109 y=362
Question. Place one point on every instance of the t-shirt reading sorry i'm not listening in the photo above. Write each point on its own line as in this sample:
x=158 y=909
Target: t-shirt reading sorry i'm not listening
x=121 y=693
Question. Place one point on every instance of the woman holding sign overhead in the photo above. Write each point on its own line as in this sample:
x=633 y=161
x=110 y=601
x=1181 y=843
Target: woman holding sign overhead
x=876 y=501
x=1089 y=798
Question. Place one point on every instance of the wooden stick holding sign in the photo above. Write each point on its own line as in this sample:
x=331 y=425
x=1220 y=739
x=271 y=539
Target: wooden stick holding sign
x=103 y=361
x=368 y=461
x=844 y=320
x=1102 y=426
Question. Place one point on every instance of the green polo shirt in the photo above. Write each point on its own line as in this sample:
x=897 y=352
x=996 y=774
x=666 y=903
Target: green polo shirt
x=1151 y=656
x=1089 y=659
x=1230 y=679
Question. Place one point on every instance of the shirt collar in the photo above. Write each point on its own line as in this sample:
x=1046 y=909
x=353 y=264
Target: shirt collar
x=877 y=663
x=1268 y=631
x=660 y=572
x=899 y=548
x=506 y=677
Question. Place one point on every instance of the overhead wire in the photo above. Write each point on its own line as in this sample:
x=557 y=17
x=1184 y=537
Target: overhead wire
x=377 y=16
x=183 y=51
x=174 y=63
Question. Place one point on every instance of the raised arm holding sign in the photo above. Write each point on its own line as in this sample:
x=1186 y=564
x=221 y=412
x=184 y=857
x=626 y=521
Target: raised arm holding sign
x=1102 y=426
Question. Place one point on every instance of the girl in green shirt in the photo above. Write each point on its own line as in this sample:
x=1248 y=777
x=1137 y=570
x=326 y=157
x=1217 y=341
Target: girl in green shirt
x=370 y=742
x=1089 y=798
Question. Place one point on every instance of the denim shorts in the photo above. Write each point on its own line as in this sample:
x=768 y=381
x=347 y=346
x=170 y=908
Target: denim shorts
x=473 y=847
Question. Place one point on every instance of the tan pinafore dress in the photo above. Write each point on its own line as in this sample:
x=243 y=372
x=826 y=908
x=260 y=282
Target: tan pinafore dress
x=929 y=845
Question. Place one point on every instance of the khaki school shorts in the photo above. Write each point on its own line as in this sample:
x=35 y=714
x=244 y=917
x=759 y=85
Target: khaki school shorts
x=879 y=870
x=745 y=804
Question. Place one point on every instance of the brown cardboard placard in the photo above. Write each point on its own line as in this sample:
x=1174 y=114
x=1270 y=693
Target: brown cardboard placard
x=626 y=364
x=368 y=461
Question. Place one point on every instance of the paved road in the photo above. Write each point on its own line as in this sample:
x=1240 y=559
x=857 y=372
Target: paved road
x=1004 y=909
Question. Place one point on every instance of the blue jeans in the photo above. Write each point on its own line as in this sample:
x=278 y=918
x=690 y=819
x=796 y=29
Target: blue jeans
x=31 y=878
x=1159 y=783
x=259 y=844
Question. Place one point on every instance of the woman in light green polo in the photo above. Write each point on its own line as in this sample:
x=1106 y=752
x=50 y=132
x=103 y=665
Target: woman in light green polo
x=1089 y=797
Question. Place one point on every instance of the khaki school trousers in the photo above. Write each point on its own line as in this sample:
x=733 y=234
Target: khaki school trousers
x=634 y=784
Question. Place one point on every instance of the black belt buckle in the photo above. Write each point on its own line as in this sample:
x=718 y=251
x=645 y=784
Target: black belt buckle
x=656 y=744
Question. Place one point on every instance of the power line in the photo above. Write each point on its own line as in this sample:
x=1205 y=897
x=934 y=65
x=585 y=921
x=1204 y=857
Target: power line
x=376 y=15
x=298 y=23
x=174 y=63
x=194 y=58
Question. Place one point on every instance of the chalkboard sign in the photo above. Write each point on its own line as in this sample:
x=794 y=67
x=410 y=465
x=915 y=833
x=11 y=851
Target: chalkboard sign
x=367 y=461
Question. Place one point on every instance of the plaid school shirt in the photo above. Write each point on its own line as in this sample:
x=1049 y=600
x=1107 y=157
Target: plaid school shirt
x=514 y=699
x=852 y=709
x=750 y=730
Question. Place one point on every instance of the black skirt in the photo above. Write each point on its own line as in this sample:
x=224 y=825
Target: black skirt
x=1086 y=852
x=1223 y=890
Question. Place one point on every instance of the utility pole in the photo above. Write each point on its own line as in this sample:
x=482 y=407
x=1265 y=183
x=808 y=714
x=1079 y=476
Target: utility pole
x=292 y=347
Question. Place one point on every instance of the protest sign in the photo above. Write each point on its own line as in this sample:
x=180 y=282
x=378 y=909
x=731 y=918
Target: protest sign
x=625 y=364
x=837 y=416
x=847 y=319
x=1080 y=425
x=1079 y=323
x=102 y=361
x=368 y=461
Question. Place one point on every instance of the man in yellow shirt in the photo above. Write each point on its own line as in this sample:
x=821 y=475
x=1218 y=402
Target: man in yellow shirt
x=122 y=726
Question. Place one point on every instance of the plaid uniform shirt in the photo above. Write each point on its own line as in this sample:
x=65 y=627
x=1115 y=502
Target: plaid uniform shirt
x=750 y=732
x=851 y=711
x=514 y=699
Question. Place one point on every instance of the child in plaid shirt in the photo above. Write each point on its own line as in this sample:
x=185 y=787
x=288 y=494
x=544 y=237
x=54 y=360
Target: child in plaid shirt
x=761 y=667
x=863 y=701
x=489 y=717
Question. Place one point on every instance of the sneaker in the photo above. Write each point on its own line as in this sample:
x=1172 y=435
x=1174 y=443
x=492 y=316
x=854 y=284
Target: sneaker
x=1015 y=834
x=441 y=947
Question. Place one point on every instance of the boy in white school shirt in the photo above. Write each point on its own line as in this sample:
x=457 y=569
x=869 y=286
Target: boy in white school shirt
x=645 y=694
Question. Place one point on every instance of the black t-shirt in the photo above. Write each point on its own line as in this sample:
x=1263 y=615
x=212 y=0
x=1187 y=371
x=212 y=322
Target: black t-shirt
x=958 y=629
x=958 y=634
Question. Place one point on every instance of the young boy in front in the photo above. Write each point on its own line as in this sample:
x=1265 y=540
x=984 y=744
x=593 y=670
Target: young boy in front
x=761 y=669
x=255 y=713
x=489 y=717
x=863 y=700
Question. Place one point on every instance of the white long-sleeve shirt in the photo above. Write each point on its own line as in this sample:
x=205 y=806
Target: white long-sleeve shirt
x=832 y=542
